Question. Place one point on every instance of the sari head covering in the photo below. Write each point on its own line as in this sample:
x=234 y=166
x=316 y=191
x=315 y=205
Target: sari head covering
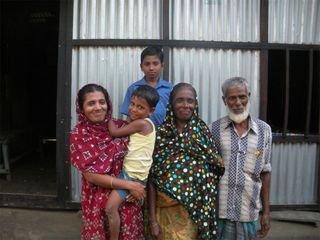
x=187 y=167
x=93 y=150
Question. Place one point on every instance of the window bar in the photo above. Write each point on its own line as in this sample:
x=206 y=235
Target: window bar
x=309 y=100
x=318 y=99
x=263 y=60
x=287 y=92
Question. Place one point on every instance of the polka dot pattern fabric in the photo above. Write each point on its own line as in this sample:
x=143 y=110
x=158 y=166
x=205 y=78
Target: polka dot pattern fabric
x=187 y=167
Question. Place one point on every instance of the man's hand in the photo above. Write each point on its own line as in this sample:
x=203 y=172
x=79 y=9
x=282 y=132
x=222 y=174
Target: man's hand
x=265 y=225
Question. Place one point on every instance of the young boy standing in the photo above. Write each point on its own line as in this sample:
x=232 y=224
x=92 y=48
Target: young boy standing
x=152 y=66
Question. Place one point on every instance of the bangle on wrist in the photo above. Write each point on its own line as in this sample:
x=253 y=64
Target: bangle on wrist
x=111 y=183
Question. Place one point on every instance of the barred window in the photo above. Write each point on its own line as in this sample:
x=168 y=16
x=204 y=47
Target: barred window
x=294 y=91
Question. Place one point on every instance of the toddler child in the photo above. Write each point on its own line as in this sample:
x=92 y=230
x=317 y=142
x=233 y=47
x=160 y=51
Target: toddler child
x=138 y=161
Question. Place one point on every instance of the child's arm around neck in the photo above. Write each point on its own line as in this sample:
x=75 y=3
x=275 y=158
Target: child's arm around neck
x=141 y=126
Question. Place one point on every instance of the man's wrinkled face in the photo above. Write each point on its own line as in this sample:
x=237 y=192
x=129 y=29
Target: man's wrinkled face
x=237 y=101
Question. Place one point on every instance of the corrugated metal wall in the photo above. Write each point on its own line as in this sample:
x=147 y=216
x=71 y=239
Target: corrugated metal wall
x=116 y=19
x=117 y=67
x=206 y=69
x=294 y=21
x=213 y=20
x=218 y=20
x=294 y=176
x=232 y=20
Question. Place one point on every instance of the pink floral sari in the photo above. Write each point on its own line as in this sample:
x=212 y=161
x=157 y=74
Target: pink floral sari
x=93 y=150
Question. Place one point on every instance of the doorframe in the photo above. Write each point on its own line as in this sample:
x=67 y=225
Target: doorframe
x=62 y=200
x=64 y=103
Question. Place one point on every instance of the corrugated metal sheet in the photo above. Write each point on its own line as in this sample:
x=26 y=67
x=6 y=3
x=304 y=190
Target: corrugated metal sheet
x=290 y=21
x=116 y=19
x=294 y=21
x=216 y=20
x=206 y=69
x=116 y=68
x=294 y=176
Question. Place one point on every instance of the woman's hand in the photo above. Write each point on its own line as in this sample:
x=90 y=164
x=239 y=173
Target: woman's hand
x=155 y=230
x=130 y=198
x=137 y=190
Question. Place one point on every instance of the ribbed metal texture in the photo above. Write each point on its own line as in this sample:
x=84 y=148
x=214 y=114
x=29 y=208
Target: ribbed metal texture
x=206 y=69
x=116 y=68
x=75 y=185
x=294 y=21
x=294 y=176
x=216 y=20
x=116 y=19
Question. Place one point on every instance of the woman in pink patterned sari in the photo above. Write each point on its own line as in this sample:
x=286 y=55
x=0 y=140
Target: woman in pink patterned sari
x=99 y=157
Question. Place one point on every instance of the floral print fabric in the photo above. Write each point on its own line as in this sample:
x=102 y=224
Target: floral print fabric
x=93 y=150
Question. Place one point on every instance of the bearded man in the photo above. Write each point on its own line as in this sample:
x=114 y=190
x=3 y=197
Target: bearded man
x=245 y=145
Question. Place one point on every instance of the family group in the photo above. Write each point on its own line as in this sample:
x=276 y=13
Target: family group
x=195 y=181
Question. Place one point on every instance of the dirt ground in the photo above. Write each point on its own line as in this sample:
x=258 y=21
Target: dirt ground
x=26 y=224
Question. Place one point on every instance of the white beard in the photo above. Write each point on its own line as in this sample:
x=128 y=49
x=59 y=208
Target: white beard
x=238 y=118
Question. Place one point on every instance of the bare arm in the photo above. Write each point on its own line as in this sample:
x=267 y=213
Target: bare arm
x=106 y=181
x=154 y=227
x=136 y=126
x=128 y=119
x=265 y=190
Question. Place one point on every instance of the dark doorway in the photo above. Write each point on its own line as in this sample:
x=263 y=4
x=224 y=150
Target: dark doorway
x=28 y=95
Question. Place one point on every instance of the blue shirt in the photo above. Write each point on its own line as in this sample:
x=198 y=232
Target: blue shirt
x=245 y=158
x=163 y=87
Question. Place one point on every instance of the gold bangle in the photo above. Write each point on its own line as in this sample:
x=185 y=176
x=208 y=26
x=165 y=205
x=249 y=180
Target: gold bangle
x=111 y=183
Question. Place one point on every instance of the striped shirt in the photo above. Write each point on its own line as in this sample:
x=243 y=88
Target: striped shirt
x=245 y=158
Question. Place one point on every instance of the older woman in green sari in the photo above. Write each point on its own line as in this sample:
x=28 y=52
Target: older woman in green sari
x=182 y=189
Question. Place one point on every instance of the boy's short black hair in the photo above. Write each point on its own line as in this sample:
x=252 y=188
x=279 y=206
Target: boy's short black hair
x=152 y=51
x=148 y=93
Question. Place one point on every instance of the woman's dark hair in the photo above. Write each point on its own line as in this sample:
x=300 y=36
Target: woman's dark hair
x=177 y=87
x=152 y=51
x=90 y=88
x=148 y=93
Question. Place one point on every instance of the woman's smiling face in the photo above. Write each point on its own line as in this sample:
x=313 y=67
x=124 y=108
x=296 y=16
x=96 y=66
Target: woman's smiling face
x=95 y=107
x=183 y=104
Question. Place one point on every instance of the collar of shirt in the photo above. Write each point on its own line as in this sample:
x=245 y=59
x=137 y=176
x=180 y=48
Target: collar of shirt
x=252 y=124
x=161 y=83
